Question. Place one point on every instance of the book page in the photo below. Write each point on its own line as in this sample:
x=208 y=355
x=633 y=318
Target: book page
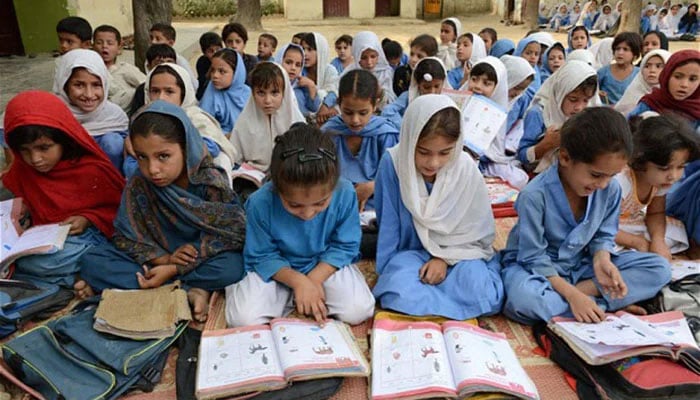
x=8 y=232
x=409 y=358
x=682 y=268
x=233 y=358
x=460 y=97
x=514 y=135
x=483 y=359
x=671 y=326
x=500 y=192
x=249 y=172
x=614 y=331
x=51 y=236
x=482 y=119
x=304 y=345
x=368 y=218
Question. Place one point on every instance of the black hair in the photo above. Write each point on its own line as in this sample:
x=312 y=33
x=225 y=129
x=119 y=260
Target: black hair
x=309 y=39
x=446 y=122
x=663 y=40
x=392 y=49
x=166 y=29
x=269 y=37
x=557 y=46
x=580 y=28
x=209 y=39
x=427 y=43
x=166 y=126
x=347 y=39
x=429 y=66
x=299 y=35
x=77 y=26
x=267 y=75
x=72 y=73
x=304 y=157
x=483 y=68
x=452 y=24
x=110 y=29
x=160 y=50
x=360 y=84
x=491 y=32
x=293 y=47
x=26 y=134
x=632 y=39
x=596 y=131
x=588 y=86
x=228 y=55
x=236 y=28
x=166 y=69
x=656 y=138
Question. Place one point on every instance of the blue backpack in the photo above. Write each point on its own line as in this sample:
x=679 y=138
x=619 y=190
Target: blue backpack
x=21 y=301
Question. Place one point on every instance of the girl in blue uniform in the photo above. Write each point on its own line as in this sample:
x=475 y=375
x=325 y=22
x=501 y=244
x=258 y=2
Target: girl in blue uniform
x=613 y=79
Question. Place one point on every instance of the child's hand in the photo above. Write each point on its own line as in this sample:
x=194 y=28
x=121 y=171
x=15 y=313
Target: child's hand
x=155 y=276
x=659 y=247
x=364 y=191
x=324 y=114
x=641 y=243
x=609 y=277
x=433 y=272
x=128 y=147
x=603 y=96
x=310 y=299
x=304 y=81
x=585 y=309
x=9 y=158
x=552 y=136
x=77 y=223
x=184 y=255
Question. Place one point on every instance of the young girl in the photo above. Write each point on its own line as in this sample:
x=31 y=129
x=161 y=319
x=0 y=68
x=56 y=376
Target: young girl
x=613 y=79
x=606 y=20
x=178 y=219
x=654 y=40
x=436 y=227
x=650 y=69
x=587 y=15
x=520 y=75
x=559 y=259
x=422 y=46
x=303 y=238
x=470 y=50
x=554 y=58
x=63 y=177
x=369 y=56
x=529 y=49
x=560 y=19
x=226 y=93
x=317 y=67
x=343 y=48
x=305 y=89
x=450 y=29
x=489 y=36
x=235 y=37
x=428 y=77
x=82 y=82
x=662 y=147
x=579 y=38
x=575 y=14
x=689 y=22
x=502 y=47
x=360 y=136
x=567 y=92
x=270 y=111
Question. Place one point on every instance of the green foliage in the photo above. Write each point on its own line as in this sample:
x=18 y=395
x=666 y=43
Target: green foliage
x=203 y=8
x=271 y=7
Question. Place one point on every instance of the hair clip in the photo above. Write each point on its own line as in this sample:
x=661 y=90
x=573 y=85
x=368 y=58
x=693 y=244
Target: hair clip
x=427 y=77
x=331 y=156
x=288 y=153
x=302 y=157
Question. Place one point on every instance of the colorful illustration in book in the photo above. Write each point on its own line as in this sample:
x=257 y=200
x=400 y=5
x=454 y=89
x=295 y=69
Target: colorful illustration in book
x=253 y=348
x=427 y=350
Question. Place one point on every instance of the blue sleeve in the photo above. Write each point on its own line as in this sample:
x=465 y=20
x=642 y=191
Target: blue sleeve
x=260 y=252
x=312 y=104
x=645 y=25
x=454 y=78
x=532 y=244
x=331 y=99
x=386 y=186
x=639 y=109
x=394 y=111
x=213 y=148
x=533 y=128
x=344 y=243
x=604 y=238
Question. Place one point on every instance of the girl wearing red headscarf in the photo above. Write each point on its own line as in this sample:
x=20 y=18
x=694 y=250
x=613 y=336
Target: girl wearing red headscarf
x=63 y=177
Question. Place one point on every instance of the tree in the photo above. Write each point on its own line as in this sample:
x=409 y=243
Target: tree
x=531 y=13
x=249 y=14
x=630 y=16
x=147 y=13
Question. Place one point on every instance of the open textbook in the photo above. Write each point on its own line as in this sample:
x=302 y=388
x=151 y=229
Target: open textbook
x=416 y=360
x=482 y=117
x=15 y=242
x=249 y=173
x=267 y=357
x=622 y=335
x=682 y=268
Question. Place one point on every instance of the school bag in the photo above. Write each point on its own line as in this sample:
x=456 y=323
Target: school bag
x=21 y=301
x=68 y=359
x=681 y=295
x=648 y=378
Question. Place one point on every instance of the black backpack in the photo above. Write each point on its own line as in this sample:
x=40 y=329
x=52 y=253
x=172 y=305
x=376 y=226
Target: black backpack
x=22 y=301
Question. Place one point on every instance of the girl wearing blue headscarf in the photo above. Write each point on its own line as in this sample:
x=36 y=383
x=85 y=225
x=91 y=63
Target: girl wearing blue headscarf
x=226 y=93
x=178 y=217
x=529 y=49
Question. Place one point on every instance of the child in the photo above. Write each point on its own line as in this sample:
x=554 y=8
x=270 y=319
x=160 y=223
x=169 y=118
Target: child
x=343 y=48
x=654 y=40
x=689 y=22
x=502 y=47
x=422 y=46
x=650 y=69
x=602 y=52
x=235 y=37
x=470 y=50
x=124 y=77
x=436 y=227
x=303 y=238
x=361 y=137
x=318 y=69
x=606 y=20
x=81 y=81
x=520 y=75
x=178 y=218
x=73 y=33
x=165 y=34
x=209 y=43
x=270 y=111
x=394 y=53
x=296 y=39
x=587 y=16
x=155 y=55
x=267 y=45
x=575 y=14
x=579 y=38
x=63 y=177
x=529 y=49
x=368 y=55
x=489 y=36
x=560 y=19
x=613 y=79
x=648 y=17
x=554 y=58
x=447 y=50
x=227 y=93
x=305 y=90
x=429 y=77
x=559 y=259
x=662 y=147
x=567 y=92
x=581 y=55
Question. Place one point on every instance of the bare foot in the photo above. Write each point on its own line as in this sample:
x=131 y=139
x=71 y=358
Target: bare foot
x=83 y=290
x=636 y=310
x=588 y=288
x=199 y=300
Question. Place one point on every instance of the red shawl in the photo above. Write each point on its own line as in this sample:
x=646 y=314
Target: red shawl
x=89 y=186
x=660 y=100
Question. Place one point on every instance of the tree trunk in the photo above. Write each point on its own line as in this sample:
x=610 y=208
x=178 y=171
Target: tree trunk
x=249 y=14
x=147 y=13
x=531 y=13
x=631 y=16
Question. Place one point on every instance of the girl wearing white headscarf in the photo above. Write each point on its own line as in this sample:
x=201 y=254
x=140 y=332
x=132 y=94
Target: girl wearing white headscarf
x=606 y=20
x=447 y=48
x=470 y=50
x=587 y=17
x=317 y=66
x=640 y=85
x=436 y=227
x=561 y=18
x=382 y=70
x=602 y=52
x=584 y=55
x=520 y=75
x=106 y=122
